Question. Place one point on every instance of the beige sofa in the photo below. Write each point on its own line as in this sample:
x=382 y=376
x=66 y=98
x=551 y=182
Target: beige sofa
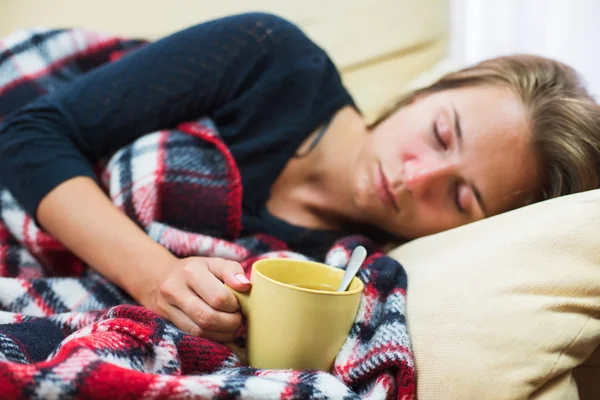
x=381 y=47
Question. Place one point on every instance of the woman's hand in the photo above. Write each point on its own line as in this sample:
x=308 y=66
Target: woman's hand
x=191 y=294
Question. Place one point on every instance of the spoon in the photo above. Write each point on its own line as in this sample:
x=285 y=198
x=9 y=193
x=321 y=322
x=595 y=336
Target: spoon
x=356 y=259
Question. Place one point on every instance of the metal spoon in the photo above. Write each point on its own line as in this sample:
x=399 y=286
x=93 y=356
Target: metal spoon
x=356 y=259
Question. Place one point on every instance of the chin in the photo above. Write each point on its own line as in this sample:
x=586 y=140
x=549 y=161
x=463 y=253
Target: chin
x=360 y=202
x=360 y=190
x=368 y=207
x=364 y=198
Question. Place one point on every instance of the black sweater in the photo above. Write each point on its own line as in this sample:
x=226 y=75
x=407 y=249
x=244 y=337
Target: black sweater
x=264 y=83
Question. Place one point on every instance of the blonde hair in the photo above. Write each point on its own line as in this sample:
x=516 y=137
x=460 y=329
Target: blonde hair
x=564 y=118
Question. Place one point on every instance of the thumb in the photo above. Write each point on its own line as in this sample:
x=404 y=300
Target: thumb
x=232 y=274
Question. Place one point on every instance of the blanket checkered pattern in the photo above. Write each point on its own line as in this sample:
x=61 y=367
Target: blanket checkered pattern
x=66 y=332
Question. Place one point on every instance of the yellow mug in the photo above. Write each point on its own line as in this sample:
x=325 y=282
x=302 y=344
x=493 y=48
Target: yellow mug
x=295 y=318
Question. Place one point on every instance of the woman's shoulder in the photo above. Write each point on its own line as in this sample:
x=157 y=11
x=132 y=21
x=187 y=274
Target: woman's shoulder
x=264 y=26
x=274 y=35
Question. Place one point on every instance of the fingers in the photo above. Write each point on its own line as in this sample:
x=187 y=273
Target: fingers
x=207 y=318
x=200 y=278
x=229 y=272
x=186 y=325
x=195 y=299
x=180 y=294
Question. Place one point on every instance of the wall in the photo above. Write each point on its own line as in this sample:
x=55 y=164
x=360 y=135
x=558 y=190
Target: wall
x=566 y=30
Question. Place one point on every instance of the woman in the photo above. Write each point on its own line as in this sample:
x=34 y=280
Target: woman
x=477 y=143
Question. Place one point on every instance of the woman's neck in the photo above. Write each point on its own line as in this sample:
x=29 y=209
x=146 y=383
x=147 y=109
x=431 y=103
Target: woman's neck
x=323 y=183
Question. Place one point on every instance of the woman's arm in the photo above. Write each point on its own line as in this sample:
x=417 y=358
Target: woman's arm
x=79 y=215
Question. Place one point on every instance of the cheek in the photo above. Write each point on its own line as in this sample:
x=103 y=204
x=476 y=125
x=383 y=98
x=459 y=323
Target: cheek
x=403 y=136
x=391 y=137
x=413 y=146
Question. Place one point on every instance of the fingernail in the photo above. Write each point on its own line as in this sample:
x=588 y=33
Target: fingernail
x=242 y=278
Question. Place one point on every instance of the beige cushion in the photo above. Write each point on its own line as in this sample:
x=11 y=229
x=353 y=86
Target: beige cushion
x=506 y=307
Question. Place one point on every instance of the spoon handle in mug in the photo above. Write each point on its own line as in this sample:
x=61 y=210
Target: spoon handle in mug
x=356 y=259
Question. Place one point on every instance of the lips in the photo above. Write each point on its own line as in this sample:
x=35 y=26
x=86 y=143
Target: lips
x=384 y=192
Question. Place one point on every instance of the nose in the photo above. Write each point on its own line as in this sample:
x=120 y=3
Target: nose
x=426 y=177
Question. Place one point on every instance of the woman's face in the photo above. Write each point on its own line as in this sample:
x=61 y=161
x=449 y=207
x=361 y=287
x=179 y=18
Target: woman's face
x=446 y=159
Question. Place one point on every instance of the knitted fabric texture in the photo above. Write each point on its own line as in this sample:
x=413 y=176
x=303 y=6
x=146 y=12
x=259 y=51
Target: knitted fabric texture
x=69 y=333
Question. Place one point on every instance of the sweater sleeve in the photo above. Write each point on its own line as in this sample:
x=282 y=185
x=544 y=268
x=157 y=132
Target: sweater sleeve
x=192 y=73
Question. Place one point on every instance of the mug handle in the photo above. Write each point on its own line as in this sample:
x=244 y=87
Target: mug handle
x=242 y=299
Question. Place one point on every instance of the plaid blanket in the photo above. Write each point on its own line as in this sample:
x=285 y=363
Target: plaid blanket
x=66 y=332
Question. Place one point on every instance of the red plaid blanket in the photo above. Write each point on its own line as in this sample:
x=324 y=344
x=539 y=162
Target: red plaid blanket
x=66 y=332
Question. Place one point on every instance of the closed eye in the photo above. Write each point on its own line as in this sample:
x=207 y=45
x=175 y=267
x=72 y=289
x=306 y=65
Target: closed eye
x=457 y=202
x=438 y=137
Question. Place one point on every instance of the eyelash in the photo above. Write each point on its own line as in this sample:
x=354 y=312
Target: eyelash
x=444 y=146
x=460 y=209
x=437 y=136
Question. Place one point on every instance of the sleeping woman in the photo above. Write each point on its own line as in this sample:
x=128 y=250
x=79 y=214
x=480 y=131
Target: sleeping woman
x=479 y=142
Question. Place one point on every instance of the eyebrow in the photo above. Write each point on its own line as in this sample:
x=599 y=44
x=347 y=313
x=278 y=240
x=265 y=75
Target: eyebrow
x=459 y=136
